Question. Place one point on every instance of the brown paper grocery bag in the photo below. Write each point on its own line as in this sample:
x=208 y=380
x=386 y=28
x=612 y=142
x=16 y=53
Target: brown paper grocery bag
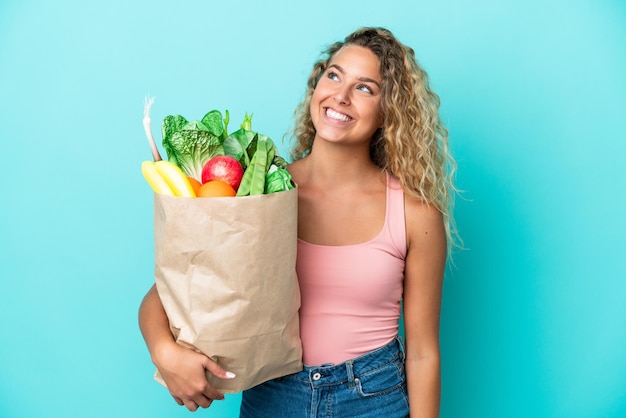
x=225 y=272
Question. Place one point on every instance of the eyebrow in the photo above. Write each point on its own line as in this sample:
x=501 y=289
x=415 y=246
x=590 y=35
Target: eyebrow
x=365 y=79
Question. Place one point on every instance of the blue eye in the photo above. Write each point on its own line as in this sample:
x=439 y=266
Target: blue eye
x=365 y=89
x=333 y=76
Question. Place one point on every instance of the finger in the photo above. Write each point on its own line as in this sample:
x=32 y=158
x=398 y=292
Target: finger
x=203 y=401
x=178 y=401
x=213 y=394
x=217 y=370
x=191 y=405
x=213 y=368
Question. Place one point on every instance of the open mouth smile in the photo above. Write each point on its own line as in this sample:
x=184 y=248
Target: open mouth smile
x=333 y=114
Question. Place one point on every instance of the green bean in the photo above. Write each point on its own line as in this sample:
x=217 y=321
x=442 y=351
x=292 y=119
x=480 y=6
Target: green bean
x=271 y=153
x=260 y=164
x=246 y=180
x=244 y=186
x=253 y=181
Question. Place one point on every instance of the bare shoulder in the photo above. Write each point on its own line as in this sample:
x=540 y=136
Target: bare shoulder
x=424 y=225
x=295 y=169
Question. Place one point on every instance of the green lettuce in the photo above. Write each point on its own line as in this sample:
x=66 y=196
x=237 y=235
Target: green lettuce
x=277 y=179
x=191 y=144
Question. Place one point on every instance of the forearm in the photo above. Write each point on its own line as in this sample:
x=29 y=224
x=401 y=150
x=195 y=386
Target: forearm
x=182 y=369
x=153 y=323
x=424 y=386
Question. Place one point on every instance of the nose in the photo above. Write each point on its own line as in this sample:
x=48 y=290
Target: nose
x=342 y=95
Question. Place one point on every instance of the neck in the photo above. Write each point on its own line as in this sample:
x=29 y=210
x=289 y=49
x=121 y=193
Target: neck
x=339 y=164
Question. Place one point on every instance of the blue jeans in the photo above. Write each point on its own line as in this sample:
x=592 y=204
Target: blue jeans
x=372 y=385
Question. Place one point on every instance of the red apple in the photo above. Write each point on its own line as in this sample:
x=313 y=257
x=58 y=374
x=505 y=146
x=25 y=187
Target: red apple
x=224 y=168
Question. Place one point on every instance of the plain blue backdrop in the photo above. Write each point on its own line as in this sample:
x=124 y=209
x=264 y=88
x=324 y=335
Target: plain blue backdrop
x=533 y=94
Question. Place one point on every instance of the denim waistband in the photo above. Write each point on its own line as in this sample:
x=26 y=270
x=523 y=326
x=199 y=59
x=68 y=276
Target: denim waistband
x=333 y=374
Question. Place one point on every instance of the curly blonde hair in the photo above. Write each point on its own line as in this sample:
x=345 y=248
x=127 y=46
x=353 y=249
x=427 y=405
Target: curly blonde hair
x=413 y=143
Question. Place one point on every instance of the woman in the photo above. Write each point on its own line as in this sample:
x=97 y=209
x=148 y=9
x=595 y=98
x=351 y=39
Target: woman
x=375 y=184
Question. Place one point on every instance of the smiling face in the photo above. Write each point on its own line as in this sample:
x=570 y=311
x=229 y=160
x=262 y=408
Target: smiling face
x=345 y=106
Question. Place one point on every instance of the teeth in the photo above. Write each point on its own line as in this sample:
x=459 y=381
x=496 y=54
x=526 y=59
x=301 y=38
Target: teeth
x=338 y=116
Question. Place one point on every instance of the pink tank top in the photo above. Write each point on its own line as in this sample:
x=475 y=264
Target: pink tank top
x=351 y=294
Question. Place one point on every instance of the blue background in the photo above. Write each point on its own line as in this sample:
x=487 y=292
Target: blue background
x=533 y=93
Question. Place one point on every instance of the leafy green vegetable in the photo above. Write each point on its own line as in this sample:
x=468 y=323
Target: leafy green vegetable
x=226 y=120
x=237 y=143
x=213 y=123
x=278 y=179
x=279 y=161
x=170 y=125
x=191 y=144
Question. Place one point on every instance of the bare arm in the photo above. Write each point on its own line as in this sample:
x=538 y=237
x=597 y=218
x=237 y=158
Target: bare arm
x=182 y=369
x=425 y=265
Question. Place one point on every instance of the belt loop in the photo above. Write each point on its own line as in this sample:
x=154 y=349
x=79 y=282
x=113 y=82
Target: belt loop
x=350 y=372
x=402 y=352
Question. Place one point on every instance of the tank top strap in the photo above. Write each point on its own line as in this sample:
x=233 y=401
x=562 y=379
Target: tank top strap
x=395 y=220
